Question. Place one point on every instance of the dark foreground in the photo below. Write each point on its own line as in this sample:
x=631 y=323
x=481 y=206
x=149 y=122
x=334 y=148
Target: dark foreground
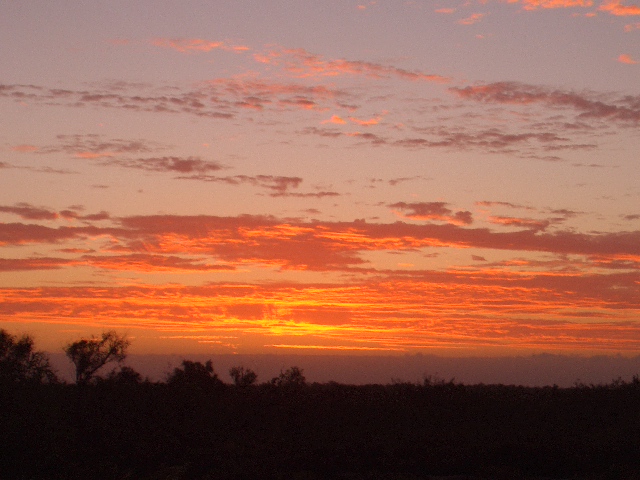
x=141 y=430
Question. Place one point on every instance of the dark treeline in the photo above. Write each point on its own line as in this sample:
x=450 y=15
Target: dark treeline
x=195 y=426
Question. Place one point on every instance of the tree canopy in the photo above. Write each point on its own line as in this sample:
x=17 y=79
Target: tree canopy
x=90 y=355
x=19 y=363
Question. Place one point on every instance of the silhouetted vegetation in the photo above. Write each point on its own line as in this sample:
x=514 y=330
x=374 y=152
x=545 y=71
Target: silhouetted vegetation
x=90 y=355
x=242 y=377
x=19 y=363
x=194 y=426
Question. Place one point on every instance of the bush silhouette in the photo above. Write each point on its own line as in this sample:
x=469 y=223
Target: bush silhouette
x=19 y=363
x=291 y=377
x=195 y=374
x=243 y=377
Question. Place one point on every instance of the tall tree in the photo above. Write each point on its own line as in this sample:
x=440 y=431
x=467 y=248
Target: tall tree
x=19 y=363
x=90 y=355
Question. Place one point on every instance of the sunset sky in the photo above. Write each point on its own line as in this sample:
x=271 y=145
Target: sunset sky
x=459 y=178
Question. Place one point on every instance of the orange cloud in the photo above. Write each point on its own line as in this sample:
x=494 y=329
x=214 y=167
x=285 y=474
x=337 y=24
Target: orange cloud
x=615 y=7
x=535 y=4
x=631 y=27
x=475 y=18
x=365 y=123
x=627 y=59
x=191 y=45
x=478 y=310
x=92 y=155
x=304 y=64
x=24 y=148
x=335 y=119
x=206 y=242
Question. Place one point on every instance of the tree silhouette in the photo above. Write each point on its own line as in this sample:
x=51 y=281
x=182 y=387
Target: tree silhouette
x=19 y=363
x=90 y=355
x=291 y=377
x=243 y=377
x=124 y=376
x=194 y=374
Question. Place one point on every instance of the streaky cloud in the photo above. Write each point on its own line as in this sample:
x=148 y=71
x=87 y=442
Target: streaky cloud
x=433 y=211
x=194 y=45
x=625 y=110
x=171 y=164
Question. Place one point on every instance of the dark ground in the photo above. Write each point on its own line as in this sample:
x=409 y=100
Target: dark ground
x=204 y=429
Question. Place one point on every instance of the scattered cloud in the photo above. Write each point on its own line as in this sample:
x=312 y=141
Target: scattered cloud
x=365 y=123
x=615 y=7
x=137 y=98
x=92 y=146
x=29 y=212
x=625 y=110
x=171 y=164
x=527 y=223
x=335 y=119
x=535 y=4
x=24 y=148
x=432 y=211
x=475 y=18
x=397 y=181
x=195 y=45
x=624 y=58
x=301 y=63
x=486 y=203
x=277 y=185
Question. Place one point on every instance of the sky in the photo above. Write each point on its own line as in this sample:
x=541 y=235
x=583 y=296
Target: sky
x=454 y=178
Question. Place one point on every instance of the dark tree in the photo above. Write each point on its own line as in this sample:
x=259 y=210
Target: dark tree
x=291 y=377
x=19 y=363
x=194 y=374
x=90 y=355
x=243 y=377
x=124 y=376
